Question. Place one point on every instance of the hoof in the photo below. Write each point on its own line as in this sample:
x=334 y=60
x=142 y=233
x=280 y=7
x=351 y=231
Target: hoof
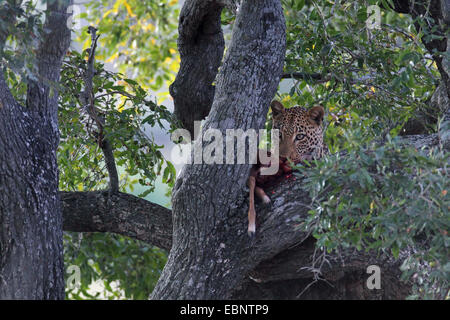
x=266 y=200
x=251 y=230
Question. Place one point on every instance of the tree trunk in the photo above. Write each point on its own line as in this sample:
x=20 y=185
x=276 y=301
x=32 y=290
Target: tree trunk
x=211 y=252
x=439 y=49
x=31 y=253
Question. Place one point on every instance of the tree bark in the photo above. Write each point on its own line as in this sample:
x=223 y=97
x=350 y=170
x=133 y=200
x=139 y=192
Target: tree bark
x=290 y=275
x=31 y=253
x=121 y=213
x=201 y=45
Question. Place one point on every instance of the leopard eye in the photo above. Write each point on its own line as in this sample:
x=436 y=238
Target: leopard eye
x=300 y=136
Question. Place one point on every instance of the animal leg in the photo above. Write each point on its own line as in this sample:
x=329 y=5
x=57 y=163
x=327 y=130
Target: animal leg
x=262 y=195
x=251 y=208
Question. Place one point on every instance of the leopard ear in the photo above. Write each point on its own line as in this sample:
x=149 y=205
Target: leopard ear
x=316 y=114
x=277 y=108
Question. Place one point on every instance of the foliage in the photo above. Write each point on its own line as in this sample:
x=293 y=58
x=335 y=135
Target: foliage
x=389 y=198
x=379 y=76
x=371 y=81
x=125 y=108
x=111 y=259
x=17 y=53
x=138 y=37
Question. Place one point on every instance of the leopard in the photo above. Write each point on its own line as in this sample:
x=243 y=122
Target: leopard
x=300 y=139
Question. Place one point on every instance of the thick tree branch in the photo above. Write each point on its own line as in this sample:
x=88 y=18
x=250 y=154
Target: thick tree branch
x=304 y=272
x=119 y=213
x=42 y=94
x=56 y=40
x=201 y=46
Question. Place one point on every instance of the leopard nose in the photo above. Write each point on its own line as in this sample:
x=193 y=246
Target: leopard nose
x=308 y=156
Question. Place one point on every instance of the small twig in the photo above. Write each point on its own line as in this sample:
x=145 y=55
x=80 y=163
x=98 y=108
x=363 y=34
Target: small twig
x=306 y=288
x=123 y=93
x=306 y=76
x=89 y=101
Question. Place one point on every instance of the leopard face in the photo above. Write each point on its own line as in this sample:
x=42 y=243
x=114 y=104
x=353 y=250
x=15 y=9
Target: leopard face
x=301 y=136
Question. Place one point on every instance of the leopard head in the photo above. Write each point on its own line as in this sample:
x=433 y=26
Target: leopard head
x=301 y=136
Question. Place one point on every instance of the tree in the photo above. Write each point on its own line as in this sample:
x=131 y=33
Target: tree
x=31 y=221
x=211 y=255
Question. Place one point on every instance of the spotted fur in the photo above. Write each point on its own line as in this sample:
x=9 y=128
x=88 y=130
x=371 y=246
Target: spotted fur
x=301 y=138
